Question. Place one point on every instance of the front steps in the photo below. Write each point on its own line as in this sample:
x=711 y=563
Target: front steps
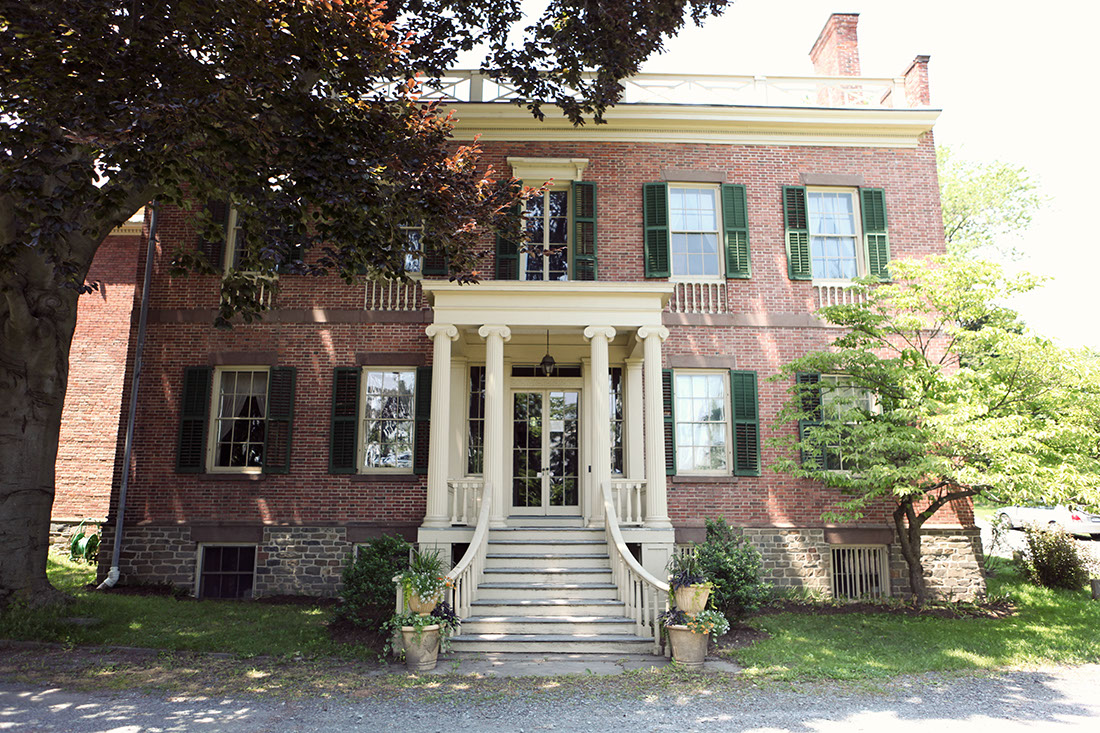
x=547 y=589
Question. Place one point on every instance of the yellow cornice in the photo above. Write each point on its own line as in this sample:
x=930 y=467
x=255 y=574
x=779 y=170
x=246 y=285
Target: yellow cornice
x=729 y=125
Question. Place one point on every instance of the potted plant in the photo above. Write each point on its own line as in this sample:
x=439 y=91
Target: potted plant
x=424 y=635
x=423 y=583
x=688 y=587
x=690 y=634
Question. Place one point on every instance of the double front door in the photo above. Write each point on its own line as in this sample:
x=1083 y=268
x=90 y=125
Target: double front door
x=546 y=451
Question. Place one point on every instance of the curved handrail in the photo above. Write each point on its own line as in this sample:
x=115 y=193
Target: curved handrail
x=466 y=575
x=642 y=593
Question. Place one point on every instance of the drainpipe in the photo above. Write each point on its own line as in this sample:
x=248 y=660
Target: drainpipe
x=120 y=512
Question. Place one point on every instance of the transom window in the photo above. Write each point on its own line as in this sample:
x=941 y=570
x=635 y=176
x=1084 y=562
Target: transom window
x=240 y=420
x=834 y=234
x=693 y=228
x=388 y=418
x=702 y=433
x=546 y=256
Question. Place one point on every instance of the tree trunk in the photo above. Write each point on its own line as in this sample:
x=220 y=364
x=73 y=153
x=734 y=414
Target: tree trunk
x=908 y=527
x=36 y=330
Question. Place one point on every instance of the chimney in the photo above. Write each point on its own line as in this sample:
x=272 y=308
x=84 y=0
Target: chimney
x=836 y=51
x=916 y=83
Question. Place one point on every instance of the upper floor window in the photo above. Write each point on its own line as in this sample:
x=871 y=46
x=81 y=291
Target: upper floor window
x=546 y=256
x=835 y=234
x=694 y=229
x=414 y=252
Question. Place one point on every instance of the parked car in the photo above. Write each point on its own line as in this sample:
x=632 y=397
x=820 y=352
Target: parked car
x=1074 y=520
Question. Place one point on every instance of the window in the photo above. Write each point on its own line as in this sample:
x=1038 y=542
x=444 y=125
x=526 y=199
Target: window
x=832 y=399
x=859 y=571
x=559 y=237
x=388 y=419
x=240 y=419
x=475 y=448
x=615 y=375
x=702 y=436
x=696 y=231
x=694 y=227
x=835 y=234
x=226 y=571
x=414 y=255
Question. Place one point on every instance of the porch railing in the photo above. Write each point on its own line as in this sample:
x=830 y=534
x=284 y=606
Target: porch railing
x=707 y=296
x=466 y=575
x=392 y=295
x=839 y=294
x=645 y=597
x=464 y=499
x=629 y=498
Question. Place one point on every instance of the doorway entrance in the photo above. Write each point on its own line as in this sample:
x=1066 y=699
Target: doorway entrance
x=546 y=451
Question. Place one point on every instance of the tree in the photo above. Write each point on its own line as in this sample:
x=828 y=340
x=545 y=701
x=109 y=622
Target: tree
x=305 y=114
x=983 y=204
x=935 y=393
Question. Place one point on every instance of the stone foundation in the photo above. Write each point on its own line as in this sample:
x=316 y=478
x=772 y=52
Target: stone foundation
x=62 y=532
x=953 y=567
x=794 y=559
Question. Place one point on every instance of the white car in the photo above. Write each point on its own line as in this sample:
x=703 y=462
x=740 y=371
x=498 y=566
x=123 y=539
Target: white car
x=1075 y=521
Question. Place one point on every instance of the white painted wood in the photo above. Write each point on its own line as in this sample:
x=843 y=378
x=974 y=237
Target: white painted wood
x=656 y=510
x=436 y=511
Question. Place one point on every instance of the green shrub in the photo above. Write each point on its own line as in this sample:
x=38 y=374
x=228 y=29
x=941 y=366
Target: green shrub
x=734 y=566
x=367 y=598
x=1051 y=559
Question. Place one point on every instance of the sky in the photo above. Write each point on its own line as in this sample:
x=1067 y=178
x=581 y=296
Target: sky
x=1015 y=81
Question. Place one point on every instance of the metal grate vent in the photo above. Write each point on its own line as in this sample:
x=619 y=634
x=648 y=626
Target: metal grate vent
x=860 y=572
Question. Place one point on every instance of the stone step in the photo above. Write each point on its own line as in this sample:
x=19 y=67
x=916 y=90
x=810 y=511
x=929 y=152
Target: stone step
x=546 y=560
x=546 y=547
x=548 y=607
x=543 y=643
x=570 y=625
x=558 y=590
x=547 y=534
x=512 y=574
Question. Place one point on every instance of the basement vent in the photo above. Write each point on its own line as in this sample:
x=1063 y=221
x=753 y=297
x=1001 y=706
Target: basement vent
x=227 y=571
x=860 y=572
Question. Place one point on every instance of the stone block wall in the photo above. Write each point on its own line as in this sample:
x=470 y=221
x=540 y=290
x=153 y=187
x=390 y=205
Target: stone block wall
x=301 y=561
x=953 y=567
x=794 y=559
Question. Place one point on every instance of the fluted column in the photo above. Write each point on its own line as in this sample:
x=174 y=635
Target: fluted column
x=495 y=336
x=599 y=336
x=656 y=494
x=437 y=513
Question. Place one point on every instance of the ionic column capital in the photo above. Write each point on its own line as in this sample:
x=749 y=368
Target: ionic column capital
x=444 y=329
x=659 y=331
x=593 y=331
x=488 y=330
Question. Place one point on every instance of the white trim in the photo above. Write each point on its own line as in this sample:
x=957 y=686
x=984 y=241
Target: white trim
x=537 y=171
x=860 y=242
x=719 y=239
x=724 y=376
x=361 y=449
x=212 y=417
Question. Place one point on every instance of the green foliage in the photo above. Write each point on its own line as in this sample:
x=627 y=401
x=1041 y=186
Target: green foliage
x=984 y=204
x=707 y=621
x=424 y=576
x=734 y=566
x=685 y=569
x=1052 y=559
x=367 y=596
x=443 y=615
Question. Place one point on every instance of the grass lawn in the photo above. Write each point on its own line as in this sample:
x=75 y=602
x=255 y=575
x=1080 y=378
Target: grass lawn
x=163 y=622
x=1050 y=627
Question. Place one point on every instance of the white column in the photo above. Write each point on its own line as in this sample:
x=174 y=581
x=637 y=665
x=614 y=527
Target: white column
x=495 y=404
x=656 y=494
x=633 y=420
x=599 y=336
x=437 y=513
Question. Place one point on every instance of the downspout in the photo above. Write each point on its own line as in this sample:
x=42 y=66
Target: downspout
x=127 y=452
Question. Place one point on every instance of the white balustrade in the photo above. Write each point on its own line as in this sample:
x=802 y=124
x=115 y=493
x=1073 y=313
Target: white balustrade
x=840 y=294
x=645 y=597
x=466 y=575
x=703 y=296
x=392 y=295
x=629 y=498
x=464 y=499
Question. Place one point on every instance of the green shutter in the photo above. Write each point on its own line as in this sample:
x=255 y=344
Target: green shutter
x=507 y=264
x=280 y=419
x=809 y=393
x=421 y=441
x=668 y=405
x=735 y=219
x=194 y=409
x=658 y=261
x=214 y=249
x=798 y=233
x=343 y=450
x=873 y=206
x=746 y=423
x=435 y=262
x=584 y=231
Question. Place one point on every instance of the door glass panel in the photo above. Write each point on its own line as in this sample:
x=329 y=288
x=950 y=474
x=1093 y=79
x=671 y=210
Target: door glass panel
x=563 y=448
x=527 y=449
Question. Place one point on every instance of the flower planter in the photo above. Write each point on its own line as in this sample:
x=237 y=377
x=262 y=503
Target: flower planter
x=422 y=606
x=689 y=648
x=421 y=653
x=692 y=599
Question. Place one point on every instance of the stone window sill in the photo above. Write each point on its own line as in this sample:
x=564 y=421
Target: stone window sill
x=688 y=479
x=232 y=477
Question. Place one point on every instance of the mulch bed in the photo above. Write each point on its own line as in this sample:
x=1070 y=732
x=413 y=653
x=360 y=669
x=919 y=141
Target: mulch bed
x=345 y=632
x=739 y=637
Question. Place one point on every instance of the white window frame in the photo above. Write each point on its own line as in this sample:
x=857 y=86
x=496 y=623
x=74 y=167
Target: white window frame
x=723 y=375
x=213 y=414
x=200 y=562
x=860 y=245
x=417 y=272
x=567 y=188
x=361 y=449
x=869 y=401
x=230 y=254
x=719 y=234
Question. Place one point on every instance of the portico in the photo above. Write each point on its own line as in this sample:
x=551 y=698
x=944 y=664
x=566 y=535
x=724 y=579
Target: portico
x=541 y=447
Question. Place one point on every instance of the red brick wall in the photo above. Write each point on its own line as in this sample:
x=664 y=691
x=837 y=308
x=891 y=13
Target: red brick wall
x=97 y=370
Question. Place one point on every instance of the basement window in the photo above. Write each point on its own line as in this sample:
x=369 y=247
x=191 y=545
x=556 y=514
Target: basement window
x=860 y=572
x=227 y=571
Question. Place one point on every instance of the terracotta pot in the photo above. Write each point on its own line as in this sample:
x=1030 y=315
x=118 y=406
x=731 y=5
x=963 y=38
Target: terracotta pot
x=422 y=606
x=420 y=656
x=689 y=648
x=693 y=598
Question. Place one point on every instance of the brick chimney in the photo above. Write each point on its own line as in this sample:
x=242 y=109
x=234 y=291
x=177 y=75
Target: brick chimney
x=836 y=51
x=916 y=83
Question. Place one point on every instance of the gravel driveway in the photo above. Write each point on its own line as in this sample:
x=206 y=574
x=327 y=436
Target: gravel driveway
x=1060 y=699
